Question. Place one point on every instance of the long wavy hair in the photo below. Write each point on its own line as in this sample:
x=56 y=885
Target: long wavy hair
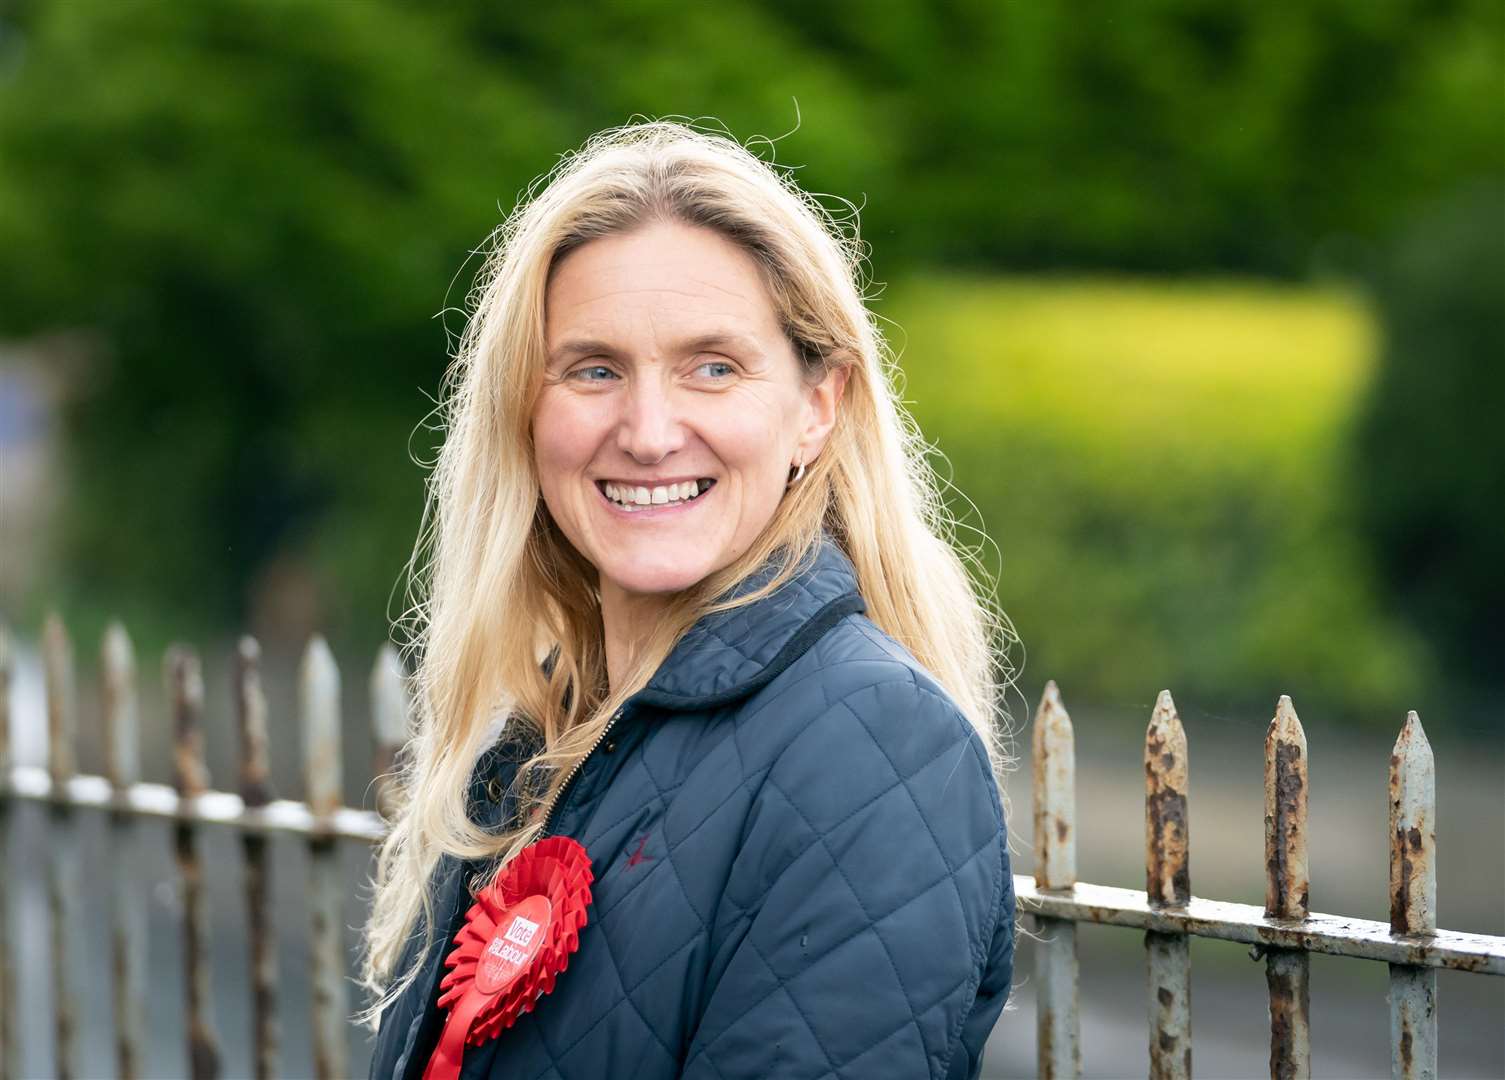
x=494 y=585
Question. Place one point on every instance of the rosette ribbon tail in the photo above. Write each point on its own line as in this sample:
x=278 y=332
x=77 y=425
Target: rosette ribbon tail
x=445 y=1062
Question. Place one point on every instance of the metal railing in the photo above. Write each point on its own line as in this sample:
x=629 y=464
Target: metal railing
x=189 y=805
x=1284 y=932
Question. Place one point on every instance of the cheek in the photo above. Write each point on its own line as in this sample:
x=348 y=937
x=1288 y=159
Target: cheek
x=752 y=441
x=562 y=439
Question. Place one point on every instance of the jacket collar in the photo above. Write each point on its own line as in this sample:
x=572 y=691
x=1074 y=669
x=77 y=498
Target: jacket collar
x=729 y=654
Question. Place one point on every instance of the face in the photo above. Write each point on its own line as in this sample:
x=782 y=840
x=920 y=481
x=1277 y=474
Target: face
x=672 y=409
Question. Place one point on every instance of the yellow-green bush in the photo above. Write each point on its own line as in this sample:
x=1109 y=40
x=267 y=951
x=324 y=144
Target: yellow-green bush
x=1158 y=466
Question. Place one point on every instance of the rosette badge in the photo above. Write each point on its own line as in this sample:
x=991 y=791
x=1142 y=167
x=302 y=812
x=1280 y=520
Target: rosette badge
x=517 y=938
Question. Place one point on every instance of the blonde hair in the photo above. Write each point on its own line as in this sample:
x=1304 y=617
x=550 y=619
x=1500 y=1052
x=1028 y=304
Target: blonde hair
x=501 y=588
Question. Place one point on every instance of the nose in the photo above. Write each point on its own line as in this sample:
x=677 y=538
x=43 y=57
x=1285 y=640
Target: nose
x=650 y=428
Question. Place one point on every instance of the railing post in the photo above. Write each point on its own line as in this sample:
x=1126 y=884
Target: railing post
x=185 y=691
x=319 y=713
x=1168 y=885
x=389 y=724
x=1287 y=892
x=1413 y=901
x=255 y=791
x=1058 y=1024
x=10 y=1058
x=62 y=877
x=117 y=662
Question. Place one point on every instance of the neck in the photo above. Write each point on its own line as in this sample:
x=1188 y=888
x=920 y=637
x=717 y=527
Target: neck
x=626 y=619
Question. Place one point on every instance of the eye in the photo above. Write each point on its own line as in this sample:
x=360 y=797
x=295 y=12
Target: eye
x=593 y=373
x=717 y=369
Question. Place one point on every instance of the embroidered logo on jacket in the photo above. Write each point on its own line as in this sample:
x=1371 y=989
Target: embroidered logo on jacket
x=638 y=856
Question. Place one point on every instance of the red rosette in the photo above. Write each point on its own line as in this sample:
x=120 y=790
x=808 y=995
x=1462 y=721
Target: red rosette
x=517 y=938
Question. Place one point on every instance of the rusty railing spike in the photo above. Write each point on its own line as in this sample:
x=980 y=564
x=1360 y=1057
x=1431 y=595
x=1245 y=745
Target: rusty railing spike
x=122 y=736
x=62 y=855
x=1413 y=899
x=255 y=791
x=1168 y=885
x=1058 y=1018
x=1287 y=892
x=1167 y=840
x=185 y=690
x=319 y=715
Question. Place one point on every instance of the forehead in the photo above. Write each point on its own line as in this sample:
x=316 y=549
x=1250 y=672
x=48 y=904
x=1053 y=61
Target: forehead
x=660 y=279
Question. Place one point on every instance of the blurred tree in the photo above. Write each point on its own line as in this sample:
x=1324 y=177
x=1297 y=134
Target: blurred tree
x=1429 y=471
x=260 y=209
x=1166 y=134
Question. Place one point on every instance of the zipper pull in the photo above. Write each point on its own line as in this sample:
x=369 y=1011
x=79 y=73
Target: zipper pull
x=610 y=745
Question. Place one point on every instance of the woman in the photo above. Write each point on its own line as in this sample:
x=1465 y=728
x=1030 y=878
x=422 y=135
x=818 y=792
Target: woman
x=686 y=553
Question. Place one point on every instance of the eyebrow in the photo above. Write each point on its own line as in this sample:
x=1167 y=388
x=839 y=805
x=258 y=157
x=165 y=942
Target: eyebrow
x=568 y=350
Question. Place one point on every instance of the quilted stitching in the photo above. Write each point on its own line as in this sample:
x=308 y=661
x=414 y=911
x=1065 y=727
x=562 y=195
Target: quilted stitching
x=857 y=810
x=900 y=779
x=663 y=945
x=919 y=894
x=929 y=826
x=975 y=978
x=780 y=983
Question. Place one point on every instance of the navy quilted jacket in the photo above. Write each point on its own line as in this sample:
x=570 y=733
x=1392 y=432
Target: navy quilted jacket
x=800 y=861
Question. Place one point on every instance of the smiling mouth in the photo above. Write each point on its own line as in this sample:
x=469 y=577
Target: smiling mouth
x=632 y=497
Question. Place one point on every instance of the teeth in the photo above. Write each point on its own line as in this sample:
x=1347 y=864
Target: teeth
x=630 y=497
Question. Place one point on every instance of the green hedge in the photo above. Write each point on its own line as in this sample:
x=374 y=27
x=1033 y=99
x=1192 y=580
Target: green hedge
x=1159 y=467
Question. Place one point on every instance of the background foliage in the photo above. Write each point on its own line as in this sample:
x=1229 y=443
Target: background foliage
x=1159 y=466
x=259 y=219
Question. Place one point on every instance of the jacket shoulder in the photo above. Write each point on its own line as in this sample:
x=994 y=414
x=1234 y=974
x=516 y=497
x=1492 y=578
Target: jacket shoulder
x=855 y=670
x=874 y=857
x=859 y=707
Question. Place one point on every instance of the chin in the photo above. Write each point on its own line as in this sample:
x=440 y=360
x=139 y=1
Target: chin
x=656 y=575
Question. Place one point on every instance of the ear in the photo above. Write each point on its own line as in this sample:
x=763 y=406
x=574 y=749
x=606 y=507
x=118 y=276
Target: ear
x=822 y=399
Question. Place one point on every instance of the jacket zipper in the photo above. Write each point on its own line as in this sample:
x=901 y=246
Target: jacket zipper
x=568 y=780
